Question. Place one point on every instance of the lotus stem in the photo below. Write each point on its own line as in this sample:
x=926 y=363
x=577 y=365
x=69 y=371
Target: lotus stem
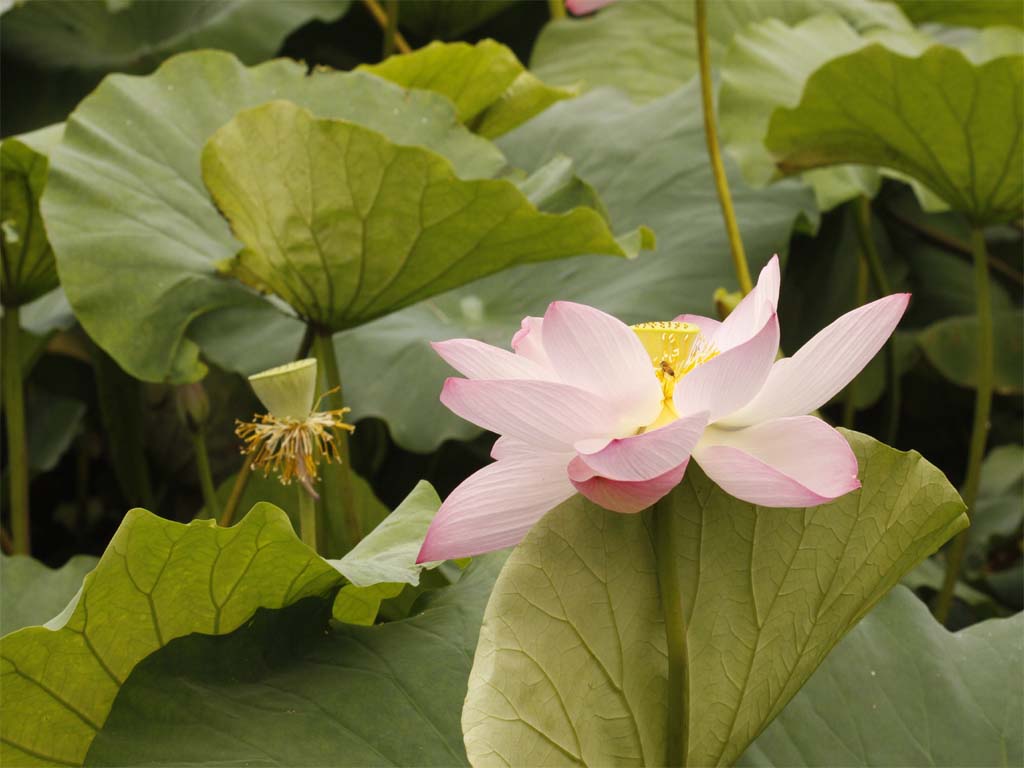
x=391 y=28
x=739 y=256
x=982 y=411
x=307 y=517
x=881 y=282
x=17 y=443
x=381 y=17
x=202 y=456
x=860 y=298
x=664 y=517
x=557 y=9
x=338 y=497
x=237 y=490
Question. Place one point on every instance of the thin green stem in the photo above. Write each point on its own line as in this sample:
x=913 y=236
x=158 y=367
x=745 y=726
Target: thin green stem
x=227 y=517
x=664 y=517
x=17 y=443
x=881 y=282
x=382 y=20
x=211 y=507
x=860 y=298
x=739 y=256
x=307 y=517
x=391 y=9
x=338 y=497
x=982 y=410
x=556 y=9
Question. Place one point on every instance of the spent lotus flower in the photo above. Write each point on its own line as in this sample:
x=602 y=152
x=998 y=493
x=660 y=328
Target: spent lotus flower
x=587 y=404
x=294 y=436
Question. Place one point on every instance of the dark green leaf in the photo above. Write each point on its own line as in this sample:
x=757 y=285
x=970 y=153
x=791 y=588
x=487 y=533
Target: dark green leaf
x=901 y=690
x=292 y=693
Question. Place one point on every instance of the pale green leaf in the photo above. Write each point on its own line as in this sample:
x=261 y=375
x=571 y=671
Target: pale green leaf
x=134 y=227
x=571 y=665
x=157 y=581
x=31 y=593
x=490 y=88
x=951 y=345
x=930 y=117
x=345 y=226
x=902 y=690
x=388 y=553
x=649 y=48
x=291 y=691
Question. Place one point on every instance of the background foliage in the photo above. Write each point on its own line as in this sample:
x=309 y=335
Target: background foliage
x=552 y=159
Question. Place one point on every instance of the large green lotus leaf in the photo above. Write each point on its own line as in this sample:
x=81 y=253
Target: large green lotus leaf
x=101 y=35
x=928 y=117
x=157 y=581
x=766 y=67
x=951 y=346
x=490 y=88
x=649 y=49
x=345 y=226
x=296 y=692
x=31 y=593
x=865 y=706
x=132 y=225
x=967 y=13
x=571 y=666
x=29 y=270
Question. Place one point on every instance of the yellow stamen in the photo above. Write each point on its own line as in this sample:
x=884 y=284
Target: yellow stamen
x=292 y=448
x=675 y=350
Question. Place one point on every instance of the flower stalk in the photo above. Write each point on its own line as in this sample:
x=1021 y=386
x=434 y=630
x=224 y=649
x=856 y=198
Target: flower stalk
x=557 y=9
x=739 y=256
x=391 y=27
x=227 y=517
x=202 y=456
x=193 y=408
x=338 y=496
x=381 y=17
x=17 y=442
x=979 y=431
x=869 y=252
x=665 y=535
x=307 y=518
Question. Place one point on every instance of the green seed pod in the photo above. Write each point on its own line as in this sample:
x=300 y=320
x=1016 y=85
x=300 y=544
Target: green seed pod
x=287 y=391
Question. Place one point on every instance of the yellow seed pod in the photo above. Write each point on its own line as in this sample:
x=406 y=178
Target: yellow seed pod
x=668 y=342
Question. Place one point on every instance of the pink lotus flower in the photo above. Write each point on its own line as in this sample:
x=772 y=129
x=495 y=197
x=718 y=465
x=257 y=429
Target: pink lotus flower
x=581 y=7
x=588 y=404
